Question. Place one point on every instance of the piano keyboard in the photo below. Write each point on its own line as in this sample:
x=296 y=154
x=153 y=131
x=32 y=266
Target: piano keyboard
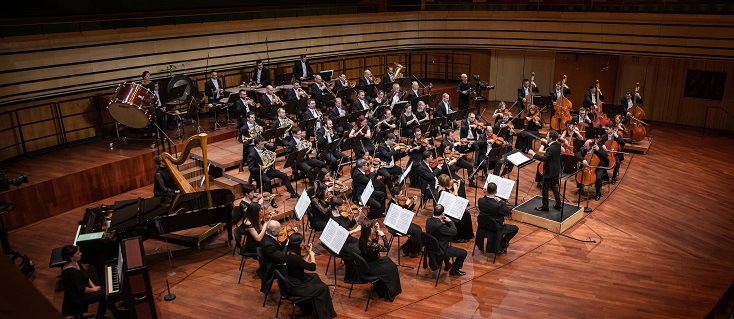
x=112 y=277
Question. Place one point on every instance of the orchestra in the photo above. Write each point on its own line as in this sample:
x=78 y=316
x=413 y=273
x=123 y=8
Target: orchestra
x=344 y=134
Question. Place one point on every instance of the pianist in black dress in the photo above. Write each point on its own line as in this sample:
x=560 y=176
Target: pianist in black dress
x=307 y=284
x=79 y=289
x=164 y=185
x=381 y=266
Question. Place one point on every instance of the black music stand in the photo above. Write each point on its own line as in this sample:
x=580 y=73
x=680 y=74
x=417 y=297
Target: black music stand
x=291 y=107
x=424 y=126
x=329 y=147
x=518 y=123
x=292 y=159
x=340 y=121
x=614 y=110
x=369 y=90
x=283 y=79
x=525 y=162
x=399 y=108
x=594 y=132
x=426 y=99
x=346 y=95
x=380 y=136
x=569 y=161
x=265 y=112
x=268 y=134
x=355 y=115
x=280 y=132
x=404 y=82
x=350 y=142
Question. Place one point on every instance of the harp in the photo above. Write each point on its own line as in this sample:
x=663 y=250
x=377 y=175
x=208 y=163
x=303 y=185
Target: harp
x=172 y=162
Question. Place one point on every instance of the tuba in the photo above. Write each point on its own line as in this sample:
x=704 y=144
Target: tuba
x=268 y=159
x=397 y=73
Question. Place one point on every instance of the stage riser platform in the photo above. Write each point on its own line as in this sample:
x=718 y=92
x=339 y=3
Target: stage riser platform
x=549 y=220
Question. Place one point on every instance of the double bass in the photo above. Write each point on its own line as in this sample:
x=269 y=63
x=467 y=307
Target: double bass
x=529 y=97
x=600 y=118
x=562 y=107
x=636 y=129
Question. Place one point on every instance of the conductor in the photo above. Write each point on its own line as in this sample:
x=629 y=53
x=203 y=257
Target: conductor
x=551 y=170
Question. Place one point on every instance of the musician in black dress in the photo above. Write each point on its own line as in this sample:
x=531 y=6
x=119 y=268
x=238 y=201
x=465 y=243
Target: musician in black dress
x=585 y=156
x=532 y=125
x=504 y=128
x=416 y=146
x=146 y=82
x=79 y=288
x=441 y=227
x=260 y=75
x=365 y=145
x=379 y=266
x=307 y=284
x=408 y=121
x=164 y=185
x=523 y=91
x=252 y=228
x=618 y=156
x=494 y=209
x=464 y=90
x=412 y=246
x=320 y=209
x=551 y=169
x=464 y=230
x=254 y=162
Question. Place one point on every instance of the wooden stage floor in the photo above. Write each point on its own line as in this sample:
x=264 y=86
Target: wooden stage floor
x=663 y=248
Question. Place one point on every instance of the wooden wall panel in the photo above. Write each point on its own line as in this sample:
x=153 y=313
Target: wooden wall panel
x=509 y=68
x=583 y=70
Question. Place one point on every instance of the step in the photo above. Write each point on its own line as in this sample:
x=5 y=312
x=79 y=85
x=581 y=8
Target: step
x=226 y=183
x=189 y=163
x=192 y=172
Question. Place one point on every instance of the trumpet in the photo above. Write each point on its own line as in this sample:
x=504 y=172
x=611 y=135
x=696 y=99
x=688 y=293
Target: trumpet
x=303 y=93
x=277 y=100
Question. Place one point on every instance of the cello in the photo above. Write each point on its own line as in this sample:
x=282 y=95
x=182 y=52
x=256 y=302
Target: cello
x=587 y=175
x=562 y=108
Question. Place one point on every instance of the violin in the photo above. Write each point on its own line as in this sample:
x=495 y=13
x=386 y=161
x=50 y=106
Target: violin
x=349 y=210
x=437 y=161
x=403 y=200
x=375 y=164
x=497 y=139
x=285 y=233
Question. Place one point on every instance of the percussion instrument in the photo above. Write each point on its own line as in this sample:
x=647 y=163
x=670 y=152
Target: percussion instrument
x=133 y=105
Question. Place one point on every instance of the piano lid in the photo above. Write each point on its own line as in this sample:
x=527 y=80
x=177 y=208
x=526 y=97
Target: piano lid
x=133 y=213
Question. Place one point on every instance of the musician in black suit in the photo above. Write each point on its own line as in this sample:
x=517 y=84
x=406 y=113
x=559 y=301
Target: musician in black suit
x=268 y=98
x=213 y=88
x=386 y=153
x=243 y=106
x=337 y=111
x=359 y=183
x=561 y=90
x=450 y=143
x=414 y=92
x=619 y=156
x=483 y=147
x=307 y=165
x=388 y=77
x=551 y=170
x=589 y=151
x=273 y=255
x=590 y=102
x=361 y=104
x=523 y=91
x=341 y=83
x=302 y=69
x=367 y=79
x=254 y=161
x=468 y=128
x=492 y=208
x=160 y=109
x=629 y=102
x=261 y=74
x=583 y=116
x=464 y=90
x=443 y=109
x=293 y=94
x=441 y=227
x=427 y=175
x=250 y=125
x=328 y=134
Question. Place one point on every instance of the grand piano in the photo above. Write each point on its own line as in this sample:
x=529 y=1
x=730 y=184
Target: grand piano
x=102 y=228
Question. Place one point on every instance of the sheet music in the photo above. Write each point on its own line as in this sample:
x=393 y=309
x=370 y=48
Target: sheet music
x=504 y=185
x=405 y=174
x=334 y=236
x=398 y=218
x=303 y=202
x=367 y=193
x=453 y=206
x=518 y=158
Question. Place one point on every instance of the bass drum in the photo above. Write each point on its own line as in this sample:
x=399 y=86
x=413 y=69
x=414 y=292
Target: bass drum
x=133 y=105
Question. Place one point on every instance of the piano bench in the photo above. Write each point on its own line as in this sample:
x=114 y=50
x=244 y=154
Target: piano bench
x=57 y=262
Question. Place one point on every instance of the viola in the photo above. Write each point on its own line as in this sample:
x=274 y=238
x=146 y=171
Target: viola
x=349 y=210
x=437 y=161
